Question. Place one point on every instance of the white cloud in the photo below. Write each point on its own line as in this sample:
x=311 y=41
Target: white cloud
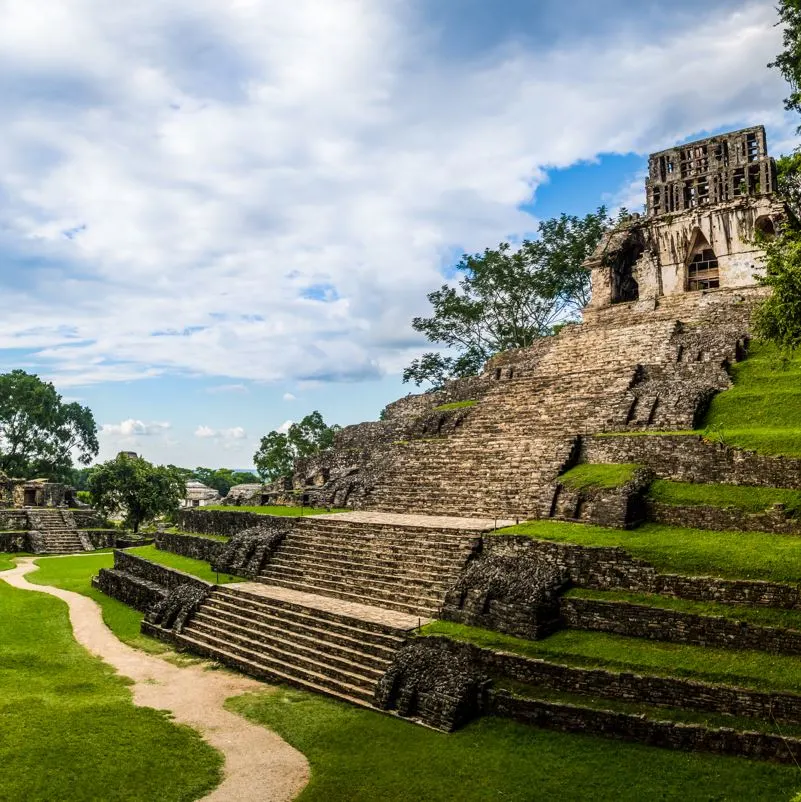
x=227 y=388
x=284 y=427
x=289 y=397
x=134 y=428
x=278 y=209
x=234 y=433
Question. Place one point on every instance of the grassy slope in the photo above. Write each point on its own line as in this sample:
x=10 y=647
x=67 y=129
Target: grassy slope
x=69 y=730
x=747 y=669
x=749 y=499
x=455 y=405
x=763 y=409
x=198 y=568
x=596 y=475
x=274 y=510
x=360 y=756
x=694 y=552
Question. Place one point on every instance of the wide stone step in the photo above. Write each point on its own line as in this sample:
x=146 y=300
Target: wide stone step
x=422 y=609
x=390 y=530
x=266 y=667
x=309 y=606
x=301 y=653
x=431 y=570
x=317 y=638
x=386 y=581
x=379 y=545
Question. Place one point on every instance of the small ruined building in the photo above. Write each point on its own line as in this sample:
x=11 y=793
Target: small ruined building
x=199 y=495
x=19 y=493
x=706 y=203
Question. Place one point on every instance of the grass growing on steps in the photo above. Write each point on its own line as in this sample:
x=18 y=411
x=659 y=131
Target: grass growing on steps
x=692 y=552
x=587 y=475
x=198 y=568
x=745 y=669
x=69 y=729
x=358 y=755
x=763 y=410
x=275 y=510
x=748 y=499
x=678 y=715
x=759 y=616
x=455 y=405
x=75 y=573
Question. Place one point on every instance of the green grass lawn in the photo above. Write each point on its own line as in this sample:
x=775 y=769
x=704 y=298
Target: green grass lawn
x=748 y=499
x=7 y=561
x=358 y=755
x=692 y=552
x=198 y=568
x=763 y=410
x=70 y=732
x=746 y=669
x=597 y=475
x=276 y=510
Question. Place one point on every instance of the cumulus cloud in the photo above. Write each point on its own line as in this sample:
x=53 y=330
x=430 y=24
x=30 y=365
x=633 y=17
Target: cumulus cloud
x=284 y=427
x=227 y=388
x=289 y=397
x=266 y=191
x=234 y=433
x=135 y=428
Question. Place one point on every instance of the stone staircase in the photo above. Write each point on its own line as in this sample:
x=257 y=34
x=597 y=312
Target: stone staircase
x=403 y=568
x=54 y=531
x=321 y=644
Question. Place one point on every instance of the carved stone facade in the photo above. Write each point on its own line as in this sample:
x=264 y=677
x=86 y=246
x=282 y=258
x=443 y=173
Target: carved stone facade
x=707 y=203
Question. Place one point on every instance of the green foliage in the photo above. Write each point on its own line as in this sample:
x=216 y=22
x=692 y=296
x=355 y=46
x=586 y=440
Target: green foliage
x=777 y=319
x=589 y=475
x=788 y=62
x=276 y=510
x=70 y=730
x=137 y=488
x=222 y=479
x=359 y=755
x=39 y=432
x=455 y=405
x=745 y=669
x=6 y=562
x=507 y=299
x=277 y=452
x=748 y=499
x=85 y=496
x=763 y=410
x=692 y=552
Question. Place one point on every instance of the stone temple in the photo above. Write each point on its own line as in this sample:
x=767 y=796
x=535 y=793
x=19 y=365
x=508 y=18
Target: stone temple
x=334 y=601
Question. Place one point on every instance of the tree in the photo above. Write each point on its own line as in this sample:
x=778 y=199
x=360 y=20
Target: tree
x=222 y=479
x=788 y=62
x=277 y=452
x=39 y=433
x=135 y=487
x=507 y=299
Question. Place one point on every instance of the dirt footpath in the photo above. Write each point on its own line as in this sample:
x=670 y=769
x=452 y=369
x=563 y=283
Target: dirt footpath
x=259 y=766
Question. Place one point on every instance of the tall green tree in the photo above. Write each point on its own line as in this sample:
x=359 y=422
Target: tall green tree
x=278 y=451
x=136 y=488
x=39 y=432
x=778 y=318
x=508 y=298
x=222 y=479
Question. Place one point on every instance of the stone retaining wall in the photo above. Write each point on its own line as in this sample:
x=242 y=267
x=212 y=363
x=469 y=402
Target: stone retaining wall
x=611 y=568
x=703 y=517
x=690 y=458
x=14 y=519
x=672 y=735
x=199 y=548
x=14 y=541
x=136 y=592
x=640 y=621
x=225 y=523
x=168 y=578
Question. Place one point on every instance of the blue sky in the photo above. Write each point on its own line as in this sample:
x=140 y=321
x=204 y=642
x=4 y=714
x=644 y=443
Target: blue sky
x=216 y=217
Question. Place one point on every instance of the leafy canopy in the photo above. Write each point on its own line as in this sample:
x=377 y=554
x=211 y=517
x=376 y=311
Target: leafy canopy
x=39 y=433
x=136 y=488
x=278 y=451
x=507 y=299
x=788 y=62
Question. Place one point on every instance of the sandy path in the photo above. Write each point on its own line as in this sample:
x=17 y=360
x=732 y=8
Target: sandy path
x=259 y=765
